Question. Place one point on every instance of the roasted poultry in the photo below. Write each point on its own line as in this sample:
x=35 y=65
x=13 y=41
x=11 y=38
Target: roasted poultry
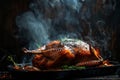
x=68 y=52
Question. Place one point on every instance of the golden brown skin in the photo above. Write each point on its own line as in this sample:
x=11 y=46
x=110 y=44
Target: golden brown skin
x=55 y=54
x=52 y=59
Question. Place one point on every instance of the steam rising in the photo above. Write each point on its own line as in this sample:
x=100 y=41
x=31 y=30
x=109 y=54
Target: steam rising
x=48 y=20
x=33 y=29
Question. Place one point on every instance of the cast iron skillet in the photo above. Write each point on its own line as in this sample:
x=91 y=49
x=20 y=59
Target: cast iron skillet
x=67 y=74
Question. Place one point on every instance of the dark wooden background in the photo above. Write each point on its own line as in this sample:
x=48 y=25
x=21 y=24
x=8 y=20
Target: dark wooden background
x=9 y=9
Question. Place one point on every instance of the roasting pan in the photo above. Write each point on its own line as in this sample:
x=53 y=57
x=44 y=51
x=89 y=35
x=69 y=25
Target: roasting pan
x=66 y=74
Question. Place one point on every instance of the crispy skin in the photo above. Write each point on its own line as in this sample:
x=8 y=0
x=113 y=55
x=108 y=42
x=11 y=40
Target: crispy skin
x=53 y=58
x=55 y=54
x=54 y=44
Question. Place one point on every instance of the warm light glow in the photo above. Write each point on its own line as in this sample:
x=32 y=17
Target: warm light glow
x=106 y=63
x=97 y=53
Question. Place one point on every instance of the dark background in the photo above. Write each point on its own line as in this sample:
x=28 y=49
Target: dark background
x=9 y=9
x=9 y=44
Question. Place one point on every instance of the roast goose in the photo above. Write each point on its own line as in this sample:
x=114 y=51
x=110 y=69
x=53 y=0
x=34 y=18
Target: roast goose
x=68 y=52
